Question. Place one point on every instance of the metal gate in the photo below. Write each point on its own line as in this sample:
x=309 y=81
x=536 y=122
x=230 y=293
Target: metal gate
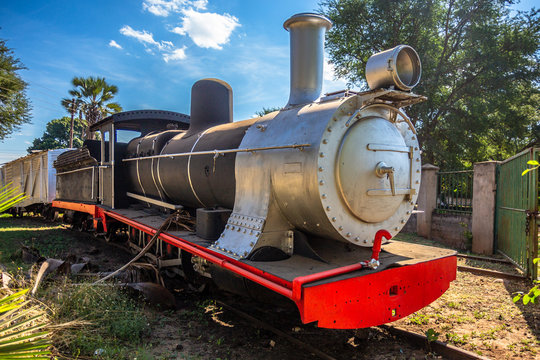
x=517 y=211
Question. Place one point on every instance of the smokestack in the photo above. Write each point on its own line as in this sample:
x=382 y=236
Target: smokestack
x=307 y=55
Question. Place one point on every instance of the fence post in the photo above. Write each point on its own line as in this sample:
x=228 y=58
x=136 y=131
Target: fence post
x=427 y=200
x=484 y=202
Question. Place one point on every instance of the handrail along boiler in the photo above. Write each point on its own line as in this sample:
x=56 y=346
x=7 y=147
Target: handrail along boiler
x=295 y=203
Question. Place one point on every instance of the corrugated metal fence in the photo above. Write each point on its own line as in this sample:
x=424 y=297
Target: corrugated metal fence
x=516 y=223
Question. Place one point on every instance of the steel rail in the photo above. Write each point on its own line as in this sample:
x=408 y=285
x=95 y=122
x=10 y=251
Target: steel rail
x=481 y=258
x=447 y=350
x=276 y=331
x=492 y=273
x=219 y=152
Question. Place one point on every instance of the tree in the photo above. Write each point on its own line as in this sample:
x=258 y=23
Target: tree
x=72 y=106
x=93 y=96
x=56 y=135
x=265 y=111
x=480 y=69
x=14 y=105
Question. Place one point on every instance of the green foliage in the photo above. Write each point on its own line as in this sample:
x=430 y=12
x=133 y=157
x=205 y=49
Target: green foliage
x=432 y=335
x=114 y=319
x=468 y=235
x=14 y=105
x=532 y=294
x=21 y=329
x=265 y=111
x=480 y=70
x=93 y=98
x=9 y=197
x=419 y=319
x=534 y=165
x=56 y=135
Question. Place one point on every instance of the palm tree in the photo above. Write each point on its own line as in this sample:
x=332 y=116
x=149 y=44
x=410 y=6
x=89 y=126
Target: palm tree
x=73 y=106
x=9 y=197
x=92 y=97
x=22 y=334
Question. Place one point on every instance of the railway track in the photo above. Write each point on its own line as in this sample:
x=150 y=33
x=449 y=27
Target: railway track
x=308 y=341
x=420 y=341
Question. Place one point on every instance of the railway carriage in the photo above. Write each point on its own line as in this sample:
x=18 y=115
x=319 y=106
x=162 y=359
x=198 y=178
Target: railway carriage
x=35 y=176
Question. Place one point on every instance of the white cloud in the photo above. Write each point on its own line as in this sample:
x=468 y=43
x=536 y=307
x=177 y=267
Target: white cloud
x=114 y=44
x=165 y=7
x=177 y=54
x=145 y=38
x=200 y=4
x=170 y=53
x=207 y=30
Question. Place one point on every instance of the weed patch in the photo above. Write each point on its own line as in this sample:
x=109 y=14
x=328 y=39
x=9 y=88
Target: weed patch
x=115 y=322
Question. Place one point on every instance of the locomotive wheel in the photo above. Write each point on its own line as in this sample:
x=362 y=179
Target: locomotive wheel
x=48 y=213
x=17 y=212
x=111 y=232
x=77 y=226
x=98 y=232
x=77 y=222
x=115 y=233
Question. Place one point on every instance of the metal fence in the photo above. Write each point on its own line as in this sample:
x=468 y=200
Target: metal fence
x=454 y=192
x=517 y=209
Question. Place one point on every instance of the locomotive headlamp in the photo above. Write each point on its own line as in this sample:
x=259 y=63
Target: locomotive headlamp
x=399 y=67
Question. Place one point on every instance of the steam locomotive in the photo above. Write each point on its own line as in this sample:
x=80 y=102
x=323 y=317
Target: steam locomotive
x=296 y=203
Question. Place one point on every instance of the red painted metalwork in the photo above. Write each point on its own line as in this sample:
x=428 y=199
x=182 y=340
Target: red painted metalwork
x=378 y=298
x=100 y=214
x=378 y=243
x=270 y=281
x=85 y=208
x=299 y=282
x=352 y=302
x=92 y=209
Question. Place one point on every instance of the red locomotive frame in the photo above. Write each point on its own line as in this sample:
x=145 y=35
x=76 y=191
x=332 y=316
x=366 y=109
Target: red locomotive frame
x=342 y=298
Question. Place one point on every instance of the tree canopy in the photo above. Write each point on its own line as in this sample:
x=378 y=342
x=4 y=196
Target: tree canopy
x=14 y=105
x=480 y=69
x=56 y=135
x=93 y=98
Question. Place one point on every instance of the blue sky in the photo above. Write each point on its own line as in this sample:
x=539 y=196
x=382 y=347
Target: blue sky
x=153 y=50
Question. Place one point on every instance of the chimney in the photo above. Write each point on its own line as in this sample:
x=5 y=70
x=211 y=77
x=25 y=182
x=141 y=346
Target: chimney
x=307 y=56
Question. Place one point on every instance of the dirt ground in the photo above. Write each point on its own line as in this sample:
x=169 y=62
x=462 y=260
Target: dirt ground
x=476 y=314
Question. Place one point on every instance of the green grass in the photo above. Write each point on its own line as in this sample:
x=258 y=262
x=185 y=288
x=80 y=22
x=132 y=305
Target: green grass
x=113 y=321
x=50 y=239
x=103 y=318
x=419 y=319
